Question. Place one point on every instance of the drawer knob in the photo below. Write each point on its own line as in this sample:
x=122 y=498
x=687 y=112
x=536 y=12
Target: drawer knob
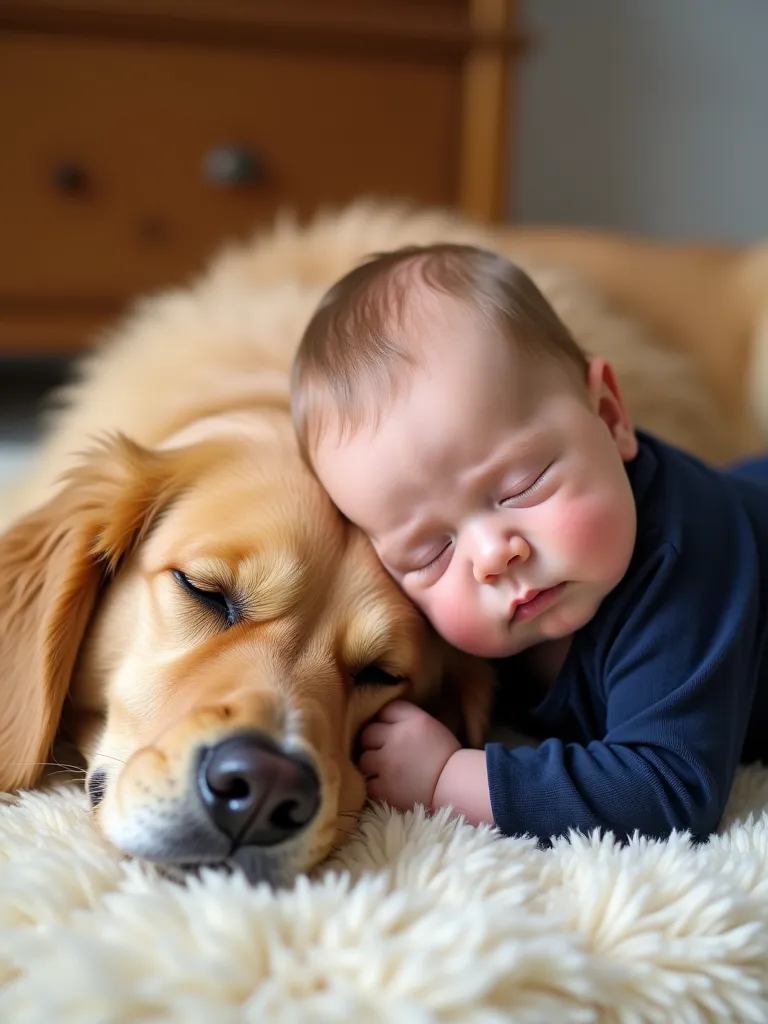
x=70 y=178
x=231 y=165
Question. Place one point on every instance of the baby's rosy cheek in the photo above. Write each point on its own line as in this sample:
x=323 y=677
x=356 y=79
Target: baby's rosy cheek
x=454 y=621
x=579 y=525
x=591 y=529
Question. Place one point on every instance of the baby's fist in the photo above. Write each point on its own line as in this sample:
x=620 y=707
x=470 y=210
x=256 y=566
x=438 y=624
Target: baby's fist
x=404 y=751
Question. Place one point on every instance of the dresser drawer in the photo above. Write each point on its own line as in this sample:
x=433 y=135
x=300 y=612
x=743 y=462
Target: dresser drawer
x=126 y=161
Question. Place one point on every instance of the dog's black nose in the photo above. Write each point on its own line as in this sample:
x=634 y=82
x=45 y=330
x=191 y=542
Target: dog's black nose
x=255 y=793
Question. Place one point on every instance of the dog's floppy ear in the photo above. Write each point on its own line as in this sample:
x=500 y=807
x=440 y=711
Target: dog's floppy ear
x=53 y=563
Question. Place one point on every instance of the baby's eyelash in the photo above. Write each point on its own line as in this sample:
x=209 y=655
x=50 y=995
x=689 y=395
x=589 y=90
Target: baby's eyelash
x=531 y=487
x=433 y=562
x=524 y=493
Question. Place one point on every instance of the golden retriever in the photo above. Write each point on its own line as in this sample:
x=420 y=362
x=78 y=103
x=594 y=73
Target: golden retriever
x=187 y=606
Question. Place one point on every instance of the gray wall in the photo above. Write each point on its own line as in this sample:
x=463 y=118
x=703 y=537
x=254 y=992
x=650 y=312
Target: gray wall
x=645 y=115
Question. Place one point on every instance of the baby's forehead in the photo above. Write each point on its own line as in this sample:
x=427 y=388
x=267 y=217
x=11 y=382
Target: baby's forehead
x=434 y=325
x=420 y=308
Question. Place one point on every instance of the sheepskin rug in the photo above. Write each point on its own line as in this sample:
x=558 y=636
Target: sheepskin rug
x=418 y=920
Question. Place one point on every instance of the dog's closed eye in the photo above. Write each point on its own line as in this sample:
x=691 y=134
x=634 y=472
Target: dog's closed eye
x=212 y=600
x=375 y=675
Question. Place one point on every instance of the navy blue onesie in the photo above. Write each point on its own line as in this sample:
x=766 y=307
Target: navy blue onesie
x=665 y=690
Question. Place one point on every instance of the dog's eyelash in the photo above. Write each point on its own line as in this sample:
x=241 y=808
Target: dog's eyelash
x=96 y=786
x=214 y=600
x=375 y=675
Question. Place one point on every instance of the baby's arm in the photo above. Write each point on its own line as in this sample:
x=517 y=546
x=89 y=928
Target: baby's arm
x=463 y=785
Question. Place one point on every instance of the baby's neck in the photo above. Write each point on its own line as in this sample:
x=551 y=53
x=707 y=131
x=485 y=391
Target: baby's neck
x=545 y=660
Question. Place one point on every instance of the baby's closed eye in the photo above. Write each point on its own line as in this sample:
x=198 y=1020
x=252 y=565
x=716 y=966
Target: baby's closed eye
x=426 y=562
x=520 y=493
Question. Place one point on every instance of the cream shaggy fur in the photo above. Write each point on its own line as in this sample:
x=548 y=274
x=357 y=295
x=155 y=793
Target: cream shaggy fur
x=417 y=921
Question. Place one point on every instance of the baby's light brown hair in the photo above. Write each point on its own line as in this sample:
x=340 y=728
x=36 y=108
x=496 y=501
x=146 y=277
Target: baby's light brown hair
x=353 y=360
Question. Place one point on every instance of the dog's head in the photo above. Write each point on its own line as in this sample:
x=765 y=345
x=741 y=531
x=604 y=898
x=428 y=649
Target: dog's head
x=212 y=635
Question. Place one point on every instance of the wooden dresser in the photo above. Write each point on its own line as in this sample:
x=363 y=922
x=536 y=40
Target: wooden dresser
x=139 y=134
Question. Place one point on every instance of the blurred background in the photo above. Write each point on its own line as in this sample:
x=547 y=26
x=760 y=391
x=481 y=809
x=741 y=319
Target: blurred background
x=138 y=135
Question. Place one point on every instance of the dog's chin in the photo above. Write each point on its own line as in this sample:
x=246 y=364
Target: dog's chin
x=275 y=867
x=278 y=869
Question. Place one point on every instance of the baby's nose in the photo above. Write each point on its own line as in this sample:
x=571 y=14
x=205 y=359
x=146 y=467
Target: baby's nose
x=494 y=555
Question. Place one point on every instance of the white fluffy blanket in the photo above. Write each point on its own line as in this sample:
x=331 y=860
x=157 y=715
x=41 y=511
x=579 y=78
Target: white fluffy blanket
x=418 y=920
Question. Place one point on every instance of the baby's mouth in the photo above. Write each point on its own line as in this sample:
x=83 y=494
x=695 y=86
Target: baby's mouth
x=533 y=602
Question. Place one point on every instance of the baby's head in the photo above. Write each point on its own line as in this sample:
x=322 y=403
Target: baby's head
x=451 y=415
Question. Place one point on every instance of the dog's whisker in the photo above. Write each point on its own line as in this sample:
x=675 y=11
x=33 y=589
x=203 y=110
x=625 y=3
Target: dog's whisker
x=77 y=769
x=348 y=829
x=100 y=753
x=40 y=764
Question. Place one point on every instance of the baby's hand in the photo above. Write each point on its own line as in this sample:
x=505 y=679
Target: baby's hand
x=404 y=752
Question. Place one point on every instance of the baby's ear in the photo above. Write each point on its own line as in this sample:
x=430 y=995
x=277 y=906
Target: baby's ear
x=608 y=403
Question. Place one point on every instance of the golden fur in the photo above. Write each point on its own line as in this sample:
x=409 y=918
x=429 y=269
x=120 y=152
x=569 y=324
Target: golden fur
x=191 y=467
